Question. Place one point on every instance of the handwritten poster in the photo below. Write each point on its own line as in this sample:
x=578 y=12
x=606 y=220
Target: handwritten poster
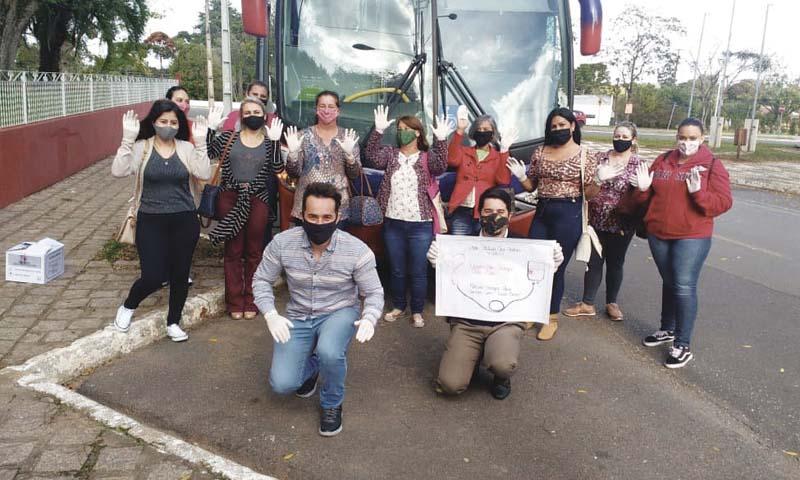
x=494 y=279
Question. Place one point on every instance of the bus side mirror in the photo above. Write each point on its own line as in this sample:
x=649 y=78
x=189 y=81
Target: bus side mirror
x=591 y=26
x=255 y=17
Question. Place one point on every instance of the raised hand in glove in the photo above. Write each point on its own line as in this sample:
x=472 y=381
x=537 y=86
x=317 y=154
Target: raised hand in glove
x=199 y=129
x=275 y=130
x=607 y=171
x=443 y=128
x=382 y=121
x=462 y=119
x=508 y=137
x=643 y=178
x=215 y=117
x=293 y=139
x=130 y=126
x=518 y=169
x=693 y=181
x=349 y=142
x=278 y=326
x=365 y=330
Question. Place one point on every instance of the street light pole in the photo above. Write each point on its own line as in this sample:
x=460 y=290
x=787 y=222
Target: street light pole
x=718 y=102
x=761 y=64
x=227 y=94
x=697 y=63
x=209 y=58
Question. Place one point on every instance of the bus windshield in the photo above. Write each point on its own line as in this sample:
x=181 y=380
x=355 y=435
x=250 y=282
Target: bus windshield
x=510 y=54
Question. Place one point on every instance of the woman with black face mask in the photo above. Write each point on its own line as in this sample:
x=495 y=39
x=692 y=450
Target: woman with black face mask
x=479 y=168
x=555 y=171
x=247 y=160
x=615 y=170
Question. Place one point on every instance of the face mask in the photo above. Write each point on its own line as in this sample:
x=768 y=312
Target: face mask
x=184 y=107
x=493 y=224
x=688 y=147
x=327 y=116
x=622 y=145
x=253 y=122
x=482 y=138
x=165 y=133
x=404 y=137
x=319 y=233
x=560 y=137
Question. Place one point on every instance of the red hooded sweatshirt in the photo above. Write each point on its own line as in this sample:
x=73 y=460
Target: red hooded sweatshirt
x=674 y=213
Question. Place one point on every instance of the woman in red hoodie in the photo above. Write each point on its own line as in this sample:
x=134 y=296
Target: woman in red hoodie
x=686 y=188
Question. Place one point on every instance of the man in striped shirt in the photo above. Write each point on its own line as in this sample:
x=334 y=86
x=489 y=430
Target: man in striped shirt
x=326 y=271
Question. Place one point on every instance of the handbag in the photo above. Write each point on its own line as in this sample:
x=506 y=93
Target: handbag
x=364 y=209
x=589 y=239
x=435 y=196
x=127 y=231
x=208 y=199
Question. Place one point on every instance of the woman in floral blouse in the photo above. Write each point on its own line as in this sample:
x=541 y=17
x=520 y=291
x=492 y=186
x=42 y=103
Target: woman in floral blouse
x=323 y=152
x=555 y=170
x=615 y=170
x=410 y=167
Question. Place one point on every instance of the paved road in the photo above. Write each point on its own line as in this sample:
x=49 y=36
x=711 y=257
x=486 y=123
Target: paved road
x=647 y=133
x=591 y=404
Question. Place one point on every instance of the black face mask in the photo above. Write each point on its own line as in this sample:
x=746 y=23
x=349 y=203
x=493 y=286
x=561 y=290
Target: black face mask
x=253 y=122
x=319 y=233
x=482 y=138
x=560 y=137
x=622 y=145
x=493 y=224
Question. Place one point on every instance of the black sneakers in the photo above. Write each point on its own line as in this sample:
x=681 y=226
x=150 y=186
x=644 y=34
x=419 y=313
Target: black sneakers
x=501 y=387
x=659 y=337
x=330 y=421
x=308 y=387
x=678 y=357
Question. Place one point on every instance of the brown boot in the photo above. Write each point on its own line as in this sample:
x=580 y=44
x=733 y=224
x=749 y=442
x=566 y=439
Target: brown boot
x=580 y=309
x=547 y=332
x=614 y=312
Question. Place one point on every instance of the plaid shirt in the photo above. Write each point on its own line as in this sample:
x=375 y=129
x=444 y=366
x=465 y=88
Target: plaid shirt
x=345 y=270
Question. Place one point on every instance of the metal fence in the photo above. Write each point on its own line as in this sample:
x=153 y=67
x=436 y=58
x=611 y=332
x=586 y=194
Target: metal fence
x=27 y=97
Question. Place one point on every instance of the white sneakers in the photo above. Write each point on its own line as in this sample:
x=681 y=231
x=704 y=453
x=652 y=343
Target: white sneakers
x=123 y=320
x=123 y=323
x=176 y=333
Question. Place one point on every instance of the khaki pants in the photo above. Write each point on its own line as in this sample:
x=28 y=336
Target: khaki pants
x=499 y=345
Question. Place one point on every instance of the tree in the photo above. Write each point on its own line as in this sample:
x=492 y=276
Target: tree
x=15 y=16
x=162 y=46
x=59 y=21
x=642 y=45
x=592 y=78
x=125 y=58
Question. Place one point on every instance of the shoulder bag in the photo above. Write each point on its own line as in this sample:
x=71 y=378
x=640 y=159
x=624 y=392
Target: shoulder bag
x=208 y=199
x=583 y=252
x=435 y=196
x=364 y=209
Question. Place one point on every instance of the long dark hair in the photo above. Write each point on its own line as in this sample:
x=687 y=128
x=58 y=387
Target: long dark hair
x=160 y=107
x=567 y=115
x=414 y=123
x=173 y=89
x=321 y=94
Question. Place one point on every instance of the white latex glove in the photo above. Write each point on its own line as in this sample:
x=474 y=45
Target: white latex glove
x=558 y=255
x=349 y=142
x=518 y=169
x=199 y=129
x=508 y=136
x=293 y=139
x=215 y=117
x=433 y=253
x=608 y=171
x=365 y=330
x=130 y=126
x=643 y=178
x=275 y=130
x=462 y=119
x=382 y=121
x=278 y=326
x=443 y=128
x=693 y=180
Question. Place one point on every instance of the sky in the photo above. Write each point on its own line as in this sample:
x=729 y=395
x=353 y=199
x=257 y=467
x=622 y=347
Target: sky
x=177 y=15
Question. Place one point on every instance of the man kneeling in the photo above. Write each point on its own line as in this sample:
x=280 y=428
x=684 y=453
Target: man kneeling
x=326 y=270
x=498 y=342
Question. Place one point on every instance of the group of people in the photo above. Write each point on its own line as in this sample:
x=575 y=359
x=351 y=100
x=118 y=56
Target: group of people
x=334 y=289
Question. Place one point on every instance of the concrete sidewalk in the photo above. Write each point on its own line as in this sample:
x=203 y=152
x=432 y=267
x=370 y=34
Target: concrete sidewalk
x=38 y=437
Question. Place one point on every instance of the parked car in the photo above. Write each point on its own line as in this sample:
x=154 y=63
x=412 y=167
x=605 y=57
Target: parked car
x=580 y=117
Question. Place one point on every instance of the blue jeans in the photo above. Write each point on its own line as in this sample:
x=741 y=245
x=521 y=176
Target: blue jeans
x=679 y=263
x=407 y=245
x=558 y=219
x=461 y=222
x=317 y=345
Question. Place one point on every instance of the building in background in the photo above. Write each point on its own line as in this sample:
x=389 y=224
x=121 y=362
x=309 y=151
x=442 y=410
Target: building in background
x=599 y=109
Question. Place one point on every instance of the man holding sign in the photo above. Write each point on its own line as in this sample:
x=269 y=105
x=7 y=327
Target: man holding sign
x=477 y=279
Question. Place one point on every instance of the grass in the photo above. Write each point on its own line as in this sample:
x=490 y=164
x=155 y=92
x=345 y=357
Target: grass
x=763 y=153
x=113 y=250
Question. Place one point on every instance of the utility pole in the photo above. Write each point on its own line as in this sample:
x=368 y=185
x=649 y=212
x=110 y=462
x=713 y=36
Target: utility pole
x=227 y=95
x=209 y=57
x=717 y=122
x=753 y=123
x=697 y=63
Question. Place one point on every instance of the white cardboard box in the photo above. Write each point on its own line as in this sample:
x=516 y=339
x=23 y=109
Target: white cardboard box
x=35 y=262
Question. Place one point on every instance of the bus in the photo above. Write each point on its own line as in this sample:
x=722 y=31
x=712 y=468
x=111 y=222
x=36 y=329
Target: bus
x=512 y=59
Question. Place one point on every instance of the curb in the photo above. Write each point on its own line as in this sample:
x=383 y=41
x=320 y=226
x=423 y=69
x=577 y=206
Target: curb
x=44 y=373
